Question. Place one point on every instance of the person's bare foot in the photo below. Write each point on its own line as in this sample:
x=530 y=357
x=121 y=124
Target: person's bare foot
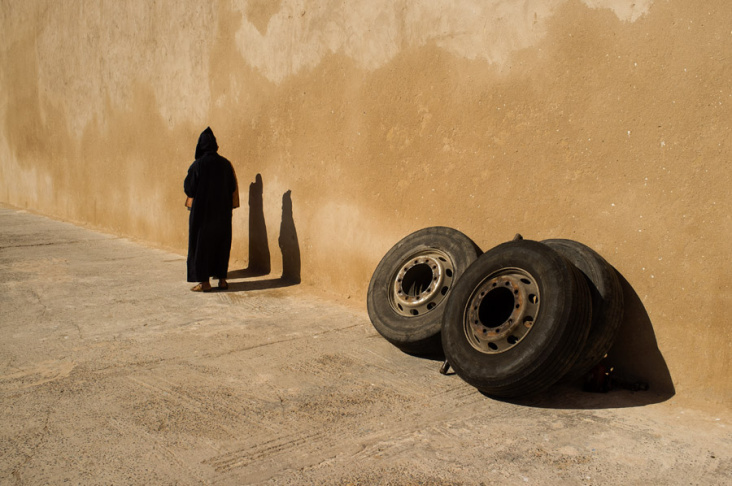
x=202 y=287
x=223 y=284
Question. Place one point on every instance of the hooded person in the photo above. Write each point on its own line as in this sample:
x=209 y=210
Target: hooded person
x=212 y=193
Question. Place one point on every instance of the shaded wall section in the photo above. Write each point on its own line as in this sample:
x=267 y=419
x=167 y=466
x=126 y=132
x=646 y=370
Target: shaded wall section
x=604 y=121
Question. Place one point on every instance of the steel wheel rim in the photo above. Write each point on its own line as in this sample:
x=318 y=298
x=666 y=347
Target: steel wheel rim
x=421 y=283
x=501 y=310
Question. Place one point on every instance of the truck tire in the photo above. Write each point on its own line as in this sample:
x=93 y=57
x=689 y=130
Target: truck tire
x=607 y=303
x=409 y=288
x=517 y=319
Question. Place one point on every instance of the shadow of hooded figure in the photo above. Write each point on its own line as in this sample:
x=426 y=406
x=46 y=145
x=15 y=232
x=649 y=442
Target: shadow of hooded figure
x=288 y=242
x=259 y=256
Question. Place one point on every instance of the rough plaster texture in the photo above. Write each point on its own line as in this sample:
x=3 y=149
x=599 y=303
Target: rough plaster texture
x=603 y=121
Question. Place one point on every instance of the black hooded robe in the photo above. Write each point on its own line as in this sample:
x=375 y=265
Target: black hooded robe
x=211 y=183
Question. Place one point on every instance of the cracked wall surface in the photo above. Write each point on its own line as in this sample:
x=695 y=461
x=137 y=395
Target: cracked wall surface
x=604 y=121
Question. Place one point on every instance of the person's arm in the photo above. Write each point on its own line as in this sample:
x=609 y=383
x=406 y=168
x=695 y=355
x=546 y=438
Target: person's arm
x=190 y=184
x=235 y=198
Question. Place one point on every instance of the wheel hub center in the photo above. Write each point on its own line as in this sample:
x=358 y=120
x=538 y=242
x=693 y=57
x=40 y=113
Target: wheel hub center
x=501 y=311
x=421 y=283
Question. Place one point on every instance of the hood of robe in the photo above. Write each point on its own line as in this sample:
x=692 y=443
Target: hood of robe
x=206 y=143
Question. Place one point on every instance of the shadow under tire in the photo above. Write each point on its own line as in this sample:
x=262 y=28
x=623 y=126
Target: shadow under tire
x=409 y=289
x=607 y=302
x=517 y=320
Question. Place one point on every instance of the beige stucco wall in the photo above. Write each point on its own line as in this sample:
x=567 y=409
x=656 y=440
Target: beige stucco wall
x=605 y=121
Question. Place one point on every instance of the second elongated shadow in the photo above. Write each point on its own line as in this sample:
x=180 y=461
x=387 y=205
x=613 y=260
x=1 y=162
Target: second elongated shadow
x=289 y=245
x=259 y=256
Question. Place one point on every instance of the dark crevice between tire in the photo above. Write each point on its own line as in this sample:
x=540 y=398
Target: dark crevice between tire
x=429 y=349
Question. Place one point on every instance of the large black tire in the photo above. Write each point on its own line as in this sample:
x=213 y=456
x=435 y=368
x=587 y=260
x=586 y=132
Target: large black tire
x=409 y=288
x=516 y=320
x=607 y=303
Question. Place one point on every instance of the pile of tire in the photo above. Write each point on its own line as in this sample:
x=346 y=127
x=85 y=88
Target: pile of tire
x=512 y=321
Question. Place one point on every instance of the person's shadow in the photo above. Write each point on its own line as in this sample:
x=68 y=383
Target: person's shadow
x=259 y=255
x=289 y=246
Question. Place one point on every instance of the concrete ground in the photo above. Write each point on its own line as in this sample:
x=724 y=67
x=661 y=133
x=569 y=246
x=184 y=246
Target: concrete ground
x=112 y=372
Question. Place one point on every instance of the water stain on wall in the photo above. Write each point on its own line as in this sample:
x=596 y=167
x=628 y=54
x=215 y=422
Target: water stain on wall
x=300 y=33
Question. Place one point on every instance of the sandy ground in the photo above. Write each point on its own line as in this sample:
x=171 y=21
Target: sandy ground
x=112 y=372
